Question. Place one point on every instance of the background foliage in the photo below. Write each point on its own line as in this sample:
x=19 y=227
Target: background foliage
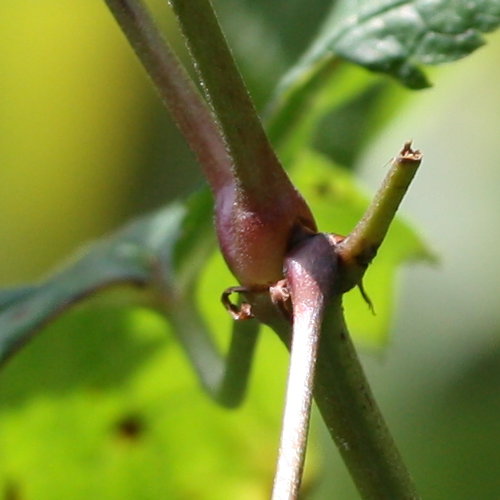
x=103 y=404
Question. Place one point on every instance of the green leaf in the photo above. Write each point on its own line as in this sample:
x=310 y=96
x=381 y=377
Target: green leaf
x=106 y=394
x=196 y=240
x=164 y=252
x=104 y=400
x=294 y=115
x=395 y=37
x=166 y=247
x=9 y=296
x=338 y=203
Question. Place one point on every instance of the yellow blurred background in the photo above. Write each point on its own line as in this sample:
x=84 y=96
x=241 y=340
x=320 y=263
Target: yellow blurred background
x=82 y=136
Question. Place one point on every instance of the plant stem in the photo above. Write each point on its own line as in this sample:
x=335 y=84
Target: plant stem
x=310 y=270
x=254 y=160
x=353 y=417
x=238 y=363
x=225 y=380
x=261 y=212
x=341 y=390
x=176 y=89
x=361 y=246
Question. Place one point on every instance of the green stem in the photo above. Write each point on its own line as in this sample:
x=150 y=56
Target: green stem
x=353 y=417
x=351 y=414
x=176 y=89
x=361 y=246
x=341 y=390
x=238 y=363
x=255 y=162
x=224 y=380
x=309 y=283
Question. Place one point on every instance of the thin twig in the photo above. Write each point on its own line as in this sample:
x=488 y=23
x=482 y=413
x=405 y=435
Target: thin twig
x=310 y=272
x=254 y=160
x=340 y=386
x=178 y=92
x=225 y=380
x=351 y=414
x=363 y=242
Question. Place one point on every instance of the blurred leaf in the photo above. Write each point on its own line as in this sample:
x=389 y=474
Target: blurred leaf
x=293 y=115
x=275 y=28
x=141 y=253
x=112 y=411
x=106 y=399
x=9 y=296
x=338 y=203
x=335 y=111
x=196 y=240
x=336 y=115
x=342 y=133
x=394 y=37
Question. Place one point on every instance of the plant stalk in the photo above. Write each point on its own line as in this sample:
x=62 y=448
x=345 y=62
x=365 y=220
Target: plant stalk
x=351 y=414
x=363 y=242
x=310 y=270
x=341 y=390
x=176 y=89
x=224 y=379
x=353 y=418
x=255 y=163
x=261 y=212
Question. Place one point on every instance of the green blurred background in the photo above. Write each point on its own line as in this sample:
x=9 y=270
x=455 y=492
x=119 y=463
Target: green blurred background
x=103 y=404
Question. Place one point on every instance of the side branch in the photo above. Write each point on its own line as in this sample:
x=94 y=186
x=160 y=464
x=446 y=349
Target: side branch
x=361 y=246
